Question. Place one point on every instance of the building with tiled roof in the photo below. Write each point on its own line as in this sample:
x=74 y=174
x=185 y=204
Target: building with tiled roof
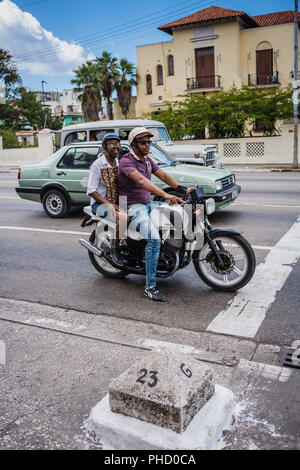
x=212 y=50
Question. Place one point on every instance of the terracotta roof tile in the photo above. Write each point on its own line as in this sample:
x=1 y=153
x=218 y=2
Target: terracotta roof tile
x=208 y=14
x=272 y=19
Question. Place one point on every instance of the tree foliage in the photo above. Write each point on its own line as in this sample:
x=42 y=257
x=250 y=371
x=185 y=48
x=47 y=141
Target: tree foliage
x=100 y=78
x=19 y=107
x=88 y=85
x=226 y=114
x=25 y=110
x=125 y=80
x=8 y=73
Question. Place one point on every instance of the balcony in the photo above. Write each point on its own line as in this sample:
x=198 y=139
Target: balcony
x=207 y=83
x=262 y=79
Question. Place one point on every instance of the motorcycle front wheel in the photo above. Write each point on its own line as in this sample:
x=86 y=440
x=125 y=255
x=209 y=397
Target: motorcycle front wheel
x=100 y=264
x=238 y=262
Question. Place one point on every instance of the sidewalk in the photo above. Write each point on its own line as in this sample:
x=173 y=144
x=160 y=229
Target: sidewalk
x=263 y=168
x=59 y=364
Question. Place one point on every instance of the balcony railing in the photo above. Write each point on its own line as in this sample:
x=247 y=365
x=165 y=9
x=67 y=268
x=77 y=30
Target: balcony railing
x=255 y=79
x=209 y=81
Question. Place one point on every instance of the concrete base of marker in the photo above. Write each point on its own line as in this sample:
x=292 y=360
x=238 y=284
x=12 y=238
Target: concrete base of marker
x=118 y=432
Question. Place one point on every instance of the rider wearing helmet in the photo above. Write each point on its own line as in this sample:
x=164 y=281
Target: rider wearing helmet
x=135 y=170
x=103 y=190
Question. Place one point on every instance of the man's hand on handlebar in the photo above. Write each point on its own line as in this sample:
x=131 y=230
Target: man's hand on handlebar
x=173 y=199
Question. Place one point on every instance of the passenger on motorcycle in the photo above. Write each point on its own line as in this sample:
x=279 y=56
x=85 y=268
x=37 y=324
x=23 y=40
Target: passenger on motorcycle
x=103 y=191
x=135 y=170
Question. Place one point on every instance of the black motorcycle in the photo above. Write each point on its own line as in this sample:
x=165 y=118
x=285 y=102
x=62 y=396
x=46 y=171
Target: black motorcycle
x=222 y=258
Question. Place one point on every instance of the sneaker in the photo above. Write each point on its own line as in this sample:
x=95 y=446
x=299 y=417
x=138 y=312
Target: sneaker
x=154 y=294
x=116 y=258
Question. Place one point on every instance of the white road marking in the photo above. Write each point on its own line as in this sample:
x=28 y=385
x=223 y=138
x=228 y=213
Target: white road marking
x=30 y=229
x=69 y=232
x=248 y=308
x=265 y=205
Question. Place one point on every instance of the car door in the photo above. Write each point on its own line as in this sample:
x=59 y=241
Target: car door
x=73 y=171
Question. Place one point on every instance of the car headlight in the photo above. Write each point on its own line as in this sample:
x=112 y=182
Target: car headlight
x=219 y=185
x=210 y=206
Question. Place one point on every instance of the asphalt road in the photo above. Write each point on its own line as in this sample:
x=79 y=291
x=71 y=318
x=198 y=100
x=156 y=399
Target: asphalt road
x=68 y=332
x=51 y=268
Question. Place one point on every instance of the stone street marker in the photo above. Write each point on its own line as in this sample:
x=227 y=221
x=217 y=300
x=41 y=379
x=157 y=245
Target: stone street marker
x=165 y=388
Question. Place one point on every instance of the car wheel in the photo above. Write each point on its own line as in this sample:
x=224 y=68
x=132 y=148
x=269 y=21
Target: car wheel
x=55 y=204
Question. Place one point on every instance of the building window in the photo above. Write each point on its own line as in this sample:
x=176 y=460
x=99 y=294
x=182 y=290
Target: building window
x=149 y=84
x=264 y=66
x=170 y=65
x=159 y=71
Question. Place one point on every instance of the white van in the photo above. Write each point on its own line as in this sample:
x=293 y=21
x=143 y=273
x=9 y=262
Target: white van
x=205 y=155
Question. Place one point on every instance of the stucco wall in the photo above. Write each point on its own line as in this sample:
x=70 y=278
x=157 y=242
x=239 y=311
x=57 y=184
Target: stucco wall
x=23 y=156
x=255 y=150
x=235 y=57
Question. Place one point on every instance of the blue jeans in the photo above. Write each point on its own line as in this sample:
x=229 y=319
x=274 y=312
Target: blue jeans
x=140 y=215
x=100 y=210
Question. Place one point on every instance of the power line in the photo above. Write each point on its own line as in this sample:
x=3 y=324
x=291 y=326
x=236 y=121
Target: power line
x=33 y=3
x=106 y=36
x=96 y=37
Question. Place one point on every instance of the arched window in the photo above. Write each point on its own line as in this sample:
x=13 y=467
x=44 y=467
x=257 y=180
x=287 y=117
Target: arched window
x=159 y=71
x=170 y=65
x=149 y=84
x=264 y=64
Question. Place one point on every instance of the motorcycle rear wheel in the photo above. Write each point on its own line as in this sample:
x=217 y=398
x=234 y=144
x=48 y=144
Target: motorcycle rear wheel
x=239 y=259
x=103 y=266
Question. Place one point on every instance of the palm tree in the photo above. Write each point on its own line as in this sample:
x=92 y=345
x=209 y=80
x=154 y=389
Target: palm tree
x=125 y=81
x=107 y=67
x=88 y=85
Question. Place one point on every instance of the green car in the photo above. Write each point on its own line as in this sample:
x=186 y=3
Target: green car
x=60 y=182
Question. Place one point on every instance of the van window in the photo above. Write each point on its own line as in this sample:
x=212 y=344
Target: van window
x=79 y=136
x=123 y=133
x=159 y=133
x=98 y=134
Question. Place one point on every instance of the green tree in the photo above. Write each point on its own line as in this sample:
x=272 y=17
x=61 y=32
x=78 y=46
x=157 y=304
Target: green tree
x=8 y=73
x=107 y=67
x=25 y=110
x=126 y=79
x=227 y=114
x=88 y=85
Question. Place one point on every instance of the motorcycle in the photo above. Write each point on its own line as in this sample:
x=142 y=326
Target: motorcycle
x=222 y=257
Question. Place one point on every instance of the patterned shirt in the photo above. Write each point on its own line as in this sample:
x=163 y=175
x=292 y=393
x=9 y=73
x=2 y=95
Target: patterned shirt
x=103 y=178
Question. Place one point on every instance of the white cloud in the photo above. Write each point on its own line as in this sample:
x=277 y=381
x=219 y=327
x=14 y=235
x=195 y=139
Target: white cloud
x=21 y=33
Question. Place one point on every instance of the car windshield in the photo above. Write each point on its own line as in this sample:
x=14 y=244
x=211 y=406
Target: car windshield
x=160 y=157
x=159 y=134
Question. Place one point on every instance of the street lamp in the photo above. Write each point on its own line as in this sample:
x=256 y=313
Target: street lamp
x=43 y=81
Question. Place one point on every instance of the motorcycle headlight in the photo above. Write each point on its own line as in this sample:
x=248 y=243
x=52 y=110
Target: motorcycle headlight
x=210 y=206
x=219 y=185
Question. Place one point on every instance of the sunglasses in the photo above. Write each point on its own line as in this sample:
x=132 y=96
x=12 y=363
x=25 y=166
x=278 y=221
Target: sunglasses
x=144 y=142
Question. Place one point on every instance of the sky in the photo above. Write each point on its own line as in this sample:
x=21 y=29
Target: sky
x=51 y=38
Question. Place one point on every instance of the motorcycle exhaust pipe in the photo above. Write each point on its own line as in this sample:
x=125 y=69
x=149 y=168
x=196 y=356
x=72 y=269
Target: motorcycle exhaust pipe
x=91 y=247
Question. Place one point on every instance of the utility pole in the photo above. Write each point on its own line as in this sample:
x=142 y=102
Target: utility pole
x=296 y=88
x=43 y=81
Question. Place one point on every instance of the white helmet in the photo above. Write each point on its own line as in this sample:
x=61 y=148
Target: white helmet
x=138 y=132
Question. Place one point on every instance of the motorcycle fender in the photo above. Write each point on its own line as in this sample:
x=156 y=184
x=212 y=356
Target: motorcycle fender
x=223 y=231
